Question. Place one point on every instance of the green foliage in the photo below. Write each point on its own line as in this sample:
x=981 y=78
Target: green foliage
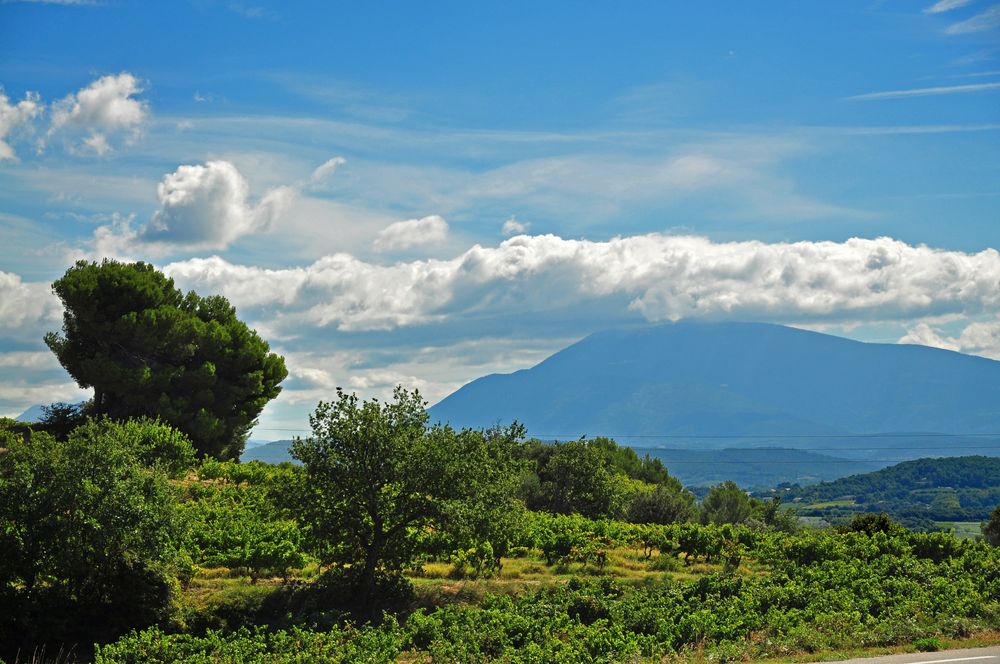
x=258 y=646
x=928 y=644
x=155 y=443
x=857 y=590
x=60 y=418
x=377 y=478
x=237 y=527
x=661 y=505
x=88 y=533
x=726 y=503
x=873 y=523
x=991 y=528
x=914 y=492
x=149 y=350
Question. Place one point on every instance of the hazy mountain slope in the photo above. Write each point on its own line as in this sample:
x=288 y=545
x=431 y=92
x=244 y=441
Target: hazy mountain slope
x=754 y=468
x=275 y=451
x=735 y=379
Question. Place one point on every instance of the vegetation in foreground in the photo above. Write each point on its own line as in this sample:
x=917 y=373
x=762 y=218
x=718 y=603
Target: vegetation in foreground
x=395 y=540
x=253 y=562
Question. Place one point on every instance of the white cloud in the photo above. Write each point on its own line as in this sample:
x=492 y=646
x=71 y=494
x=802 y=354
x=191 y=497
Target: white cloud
x=923 y=334
x=928 y=92
x=98 y=143
x=987 y=20
x=201 y=206
x=412 y=233
x=978 y=338
x=514 y=227
x=658 y=277
x=14 y=116
x=26 y=306
x=105 y=107
x=942 y=6
x=325 y=171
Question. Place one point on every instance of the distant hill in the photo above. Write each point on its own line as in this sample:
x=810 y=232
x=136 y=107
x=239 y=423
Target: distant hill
x=273 y=452
x=754 y=468
x=725 y=380
x=947 y=489
x=32 y=414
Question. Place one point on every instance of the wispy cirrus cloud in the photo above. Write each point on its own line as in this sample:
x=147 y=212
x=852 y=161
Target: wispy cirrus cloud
x=987 y=20
x=942 y=6
x=927 y=92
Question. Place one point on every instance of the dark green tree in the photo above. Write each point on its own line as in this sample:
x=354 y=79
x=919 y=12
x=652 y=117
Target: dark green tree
x=147 y=349
x=726 y=503
x=88 y=534
x=378 y=478
x=661 y=505
x=574 y=478
x=991 y=528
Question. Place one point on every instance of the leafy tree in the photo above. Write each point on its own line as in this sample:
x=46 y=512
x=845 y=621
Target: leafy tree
x=726 y=503
x=377 y=477
x=149 y=350
x=661 y=505
x=88 y=534
x=871 y=523
x=574 y=478
x=60 y=418
x=991 y=528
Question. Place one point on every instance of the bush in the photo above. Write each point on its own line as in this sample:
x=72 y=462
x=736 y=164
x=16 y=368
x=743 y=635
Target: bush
x=929 y=644
x=89 y=537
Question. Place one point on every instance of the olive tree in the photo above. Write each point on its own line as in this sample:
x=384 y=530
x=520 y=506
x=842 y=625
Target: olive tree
x=378 y=478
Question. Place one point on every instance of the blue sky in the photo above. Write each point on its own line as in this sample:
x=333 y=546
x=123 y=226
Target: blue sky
x=424 y=193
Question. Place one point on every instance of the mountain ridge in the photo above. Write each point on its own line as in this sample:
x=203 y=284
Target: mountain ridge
x=735 y=379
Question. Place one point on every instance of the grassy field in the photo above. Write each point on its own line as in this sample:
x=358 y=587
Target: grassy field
x=963 y=529
x=220 y=598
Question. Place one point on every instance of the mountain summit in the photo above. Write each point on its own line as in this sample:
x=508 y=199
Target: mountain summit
x=735 y=379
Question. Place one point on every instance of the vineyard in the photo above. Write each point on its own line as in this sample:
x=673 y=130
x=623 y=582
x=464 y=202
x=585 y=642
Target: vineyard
x=120 y=546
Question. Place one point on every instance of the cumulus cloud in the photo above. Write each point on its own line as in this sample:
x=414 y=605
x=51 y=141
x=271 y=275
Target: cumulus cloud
x=26 y=306
x=201 y=207
x=104 y=108
x=412 y=233
x=15 y=116
x=979 y=338
x=658 y=277
x=514 y=227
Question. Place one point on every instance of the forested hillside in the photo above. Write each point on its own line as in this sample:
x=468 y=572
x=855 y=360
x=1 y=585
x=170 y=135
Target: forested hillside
x=939 y=490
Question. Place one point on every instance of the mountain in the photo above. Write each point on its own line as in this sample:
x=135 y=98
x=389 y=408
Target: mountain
x=725 y=380
x=273 y=452
x=754 y=468
x=32 y=414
